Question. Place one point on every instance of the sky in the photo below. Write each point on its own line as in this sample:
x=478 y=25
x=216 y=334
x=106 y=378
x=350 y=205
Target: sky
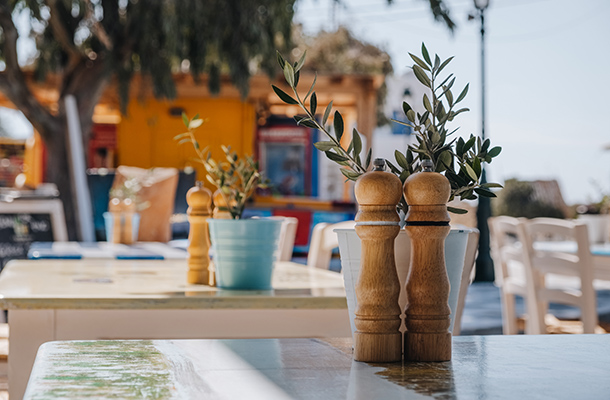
x=547 y=77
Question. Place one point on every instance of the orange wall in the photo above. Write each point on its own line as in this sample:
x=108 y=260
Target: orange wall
x=145 y=135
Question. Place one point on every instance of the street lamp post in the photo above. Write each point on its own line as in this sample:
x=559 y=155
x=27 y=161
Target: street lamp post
x=484 y=265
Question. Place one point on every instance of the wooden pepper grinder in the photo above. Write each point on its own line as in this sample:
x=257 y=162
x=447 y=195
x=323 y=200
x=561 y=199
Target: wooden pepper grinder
x=127 y=214
x=221 y=210
x=115 y=209
x=199 y=200
x=377 y=337
x=427 y=312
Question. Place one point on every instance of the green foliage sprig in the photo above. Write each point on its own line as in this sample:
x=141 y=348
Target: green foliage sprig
x=461 y=161
x=236 y=178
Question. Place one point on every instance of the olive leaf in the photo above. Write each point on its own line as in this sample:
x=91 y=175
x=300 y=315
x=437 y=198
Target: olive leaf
x=325 y=146
x=313 y=103
x=327 y=113
x=338 y=124
x=282 y=95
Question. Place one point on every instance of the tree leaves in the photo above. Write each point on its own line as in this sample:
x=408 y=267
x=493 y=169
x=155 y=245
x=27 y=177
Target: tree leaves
x=470 y=172
x=424 y=52
x=280 y=59
x=301 y=61
x=455 y=210
x=327 y=113
x=427 y=104
x=357 y=141
x=335 y=157
x=421 y=76
x=325 y=146
x=419 y=62
x=463 y=94
x=338 y=125
x=313 y=103
x=283 y=95
x=289 y=74
x=349 y=174
x=401 y=160
x=444 y=64
x=495 y=151
x=195 y=123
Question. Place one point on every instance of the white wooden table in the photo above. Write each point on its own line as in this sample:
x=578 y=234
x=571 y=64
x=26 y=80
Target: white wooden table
x=117 y=299
x=483 y=367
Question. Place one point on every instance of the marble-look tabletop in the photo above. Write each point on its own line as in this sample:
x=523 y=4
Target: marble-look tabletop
x=483 y=367
x=156 y=284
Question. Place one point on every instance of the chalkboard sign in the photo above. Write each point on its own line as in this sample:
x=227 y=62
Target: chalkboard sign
x=27 y=221
x=18 y=231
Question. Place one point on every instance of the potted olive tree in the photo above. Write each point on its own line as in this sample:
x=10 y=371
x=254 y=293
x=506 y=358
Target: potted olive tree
x=244 y=250
x=459 y=160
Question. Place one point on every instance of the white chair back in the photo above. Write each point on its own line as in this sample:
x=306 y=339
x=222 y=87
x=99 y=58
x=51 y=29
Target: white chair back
x=323 y=241
x=559 y=252
x=513 y=274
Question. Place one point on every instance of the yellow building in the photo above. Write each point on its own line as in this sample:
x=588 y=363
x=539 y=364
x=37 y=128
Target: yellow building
x=143 y=137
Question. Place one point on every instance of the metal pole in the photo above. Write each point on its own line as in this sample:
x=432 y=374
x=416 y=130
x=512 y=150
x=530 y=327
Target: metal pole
x=484 y=265
x=84 y=211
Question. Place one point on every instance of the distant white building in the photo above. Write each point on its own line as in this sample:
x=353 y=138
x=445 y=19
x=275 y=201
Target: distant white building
x=393 y=136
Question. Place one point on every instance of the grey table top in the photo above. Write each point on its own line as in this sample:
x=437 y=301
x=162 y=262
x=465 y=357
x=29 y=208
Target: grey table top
x=483 y=367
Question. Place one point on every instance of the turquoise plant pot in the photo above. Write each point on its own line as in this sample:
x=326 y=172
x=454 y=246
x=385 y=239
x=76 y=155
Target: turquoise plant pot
x=244 y=251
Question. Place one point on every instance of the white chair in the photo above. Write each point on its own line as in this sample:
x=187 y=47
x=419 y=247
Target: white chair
x=323 y=241
x=472 y=248
x=565 y=276
x=513 y=276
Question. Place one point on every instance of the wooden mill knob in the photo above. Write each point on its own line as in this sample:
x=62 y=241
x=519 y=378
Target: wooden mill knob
x=427 y=313
x=199 y=200
x=221 y=210
x=377 y=337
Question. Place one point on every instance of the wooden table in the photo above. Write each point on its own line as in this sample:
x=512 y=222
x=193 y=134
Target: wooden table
x=483 y=367
x=109 y=299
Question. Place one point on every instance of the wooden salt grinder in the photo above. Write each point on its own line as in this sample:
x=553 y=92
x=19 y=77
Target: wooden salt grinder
x=221 y=210
x=427 y=313
x=199 y=200
x=115 y=208
x=377 y=337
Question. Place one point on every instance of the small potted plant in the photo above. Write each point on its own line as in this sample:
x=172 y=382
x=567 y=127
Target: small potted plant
x=244 y=249
x=459 y=160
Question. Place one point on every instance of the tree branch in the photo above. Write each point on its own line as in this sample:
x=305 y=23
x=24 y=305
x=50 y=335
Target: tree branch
x=62 y=37
x=97 y=28
x=9 y=44
x=12 y=81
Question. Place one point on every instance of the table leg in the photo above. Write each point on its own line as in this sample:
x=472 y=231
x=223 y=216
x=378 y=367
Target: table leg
x=28 y=329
